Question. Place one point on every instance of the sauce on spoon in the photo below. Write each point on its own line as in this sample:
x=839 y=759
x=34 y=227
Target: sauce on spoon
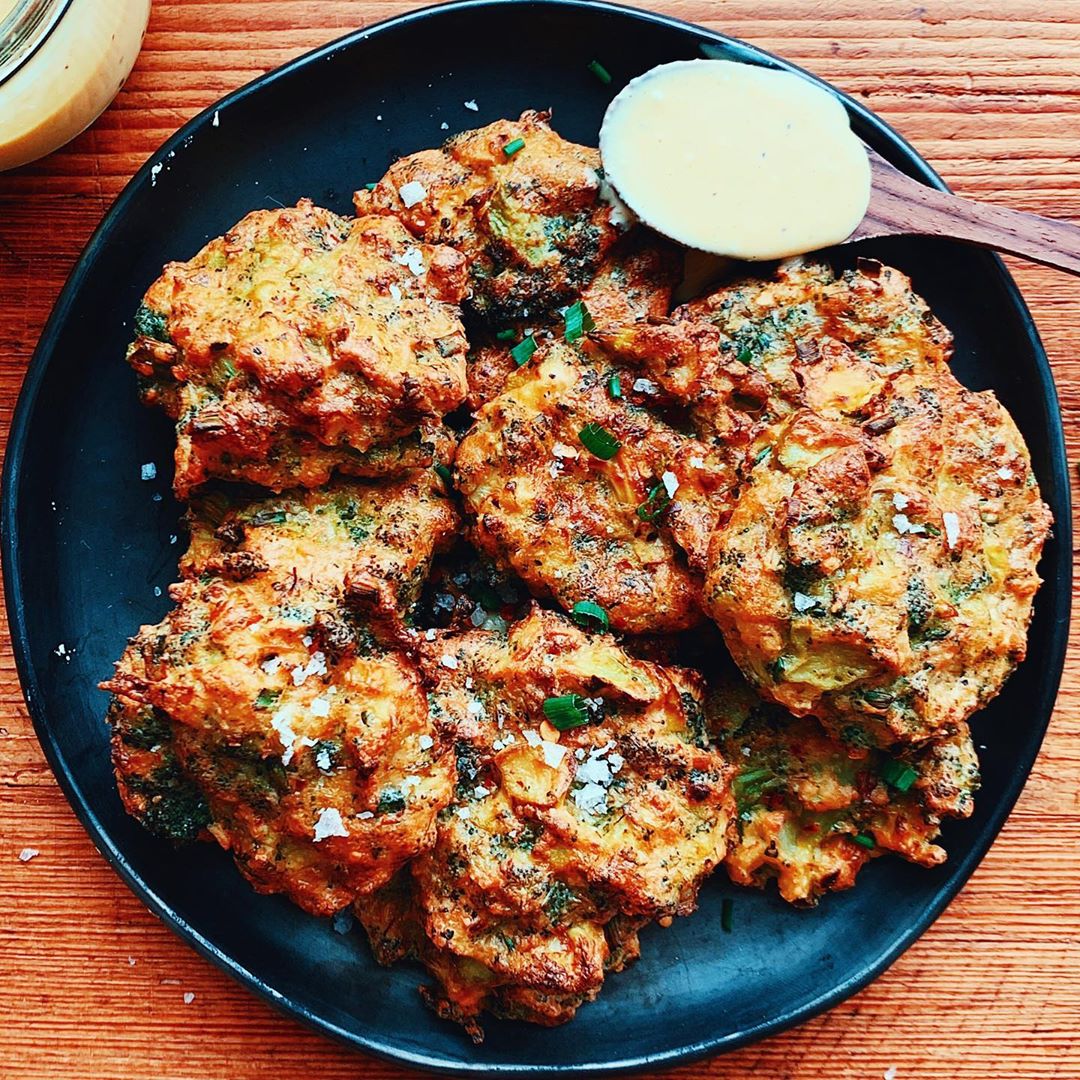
x=735 y=159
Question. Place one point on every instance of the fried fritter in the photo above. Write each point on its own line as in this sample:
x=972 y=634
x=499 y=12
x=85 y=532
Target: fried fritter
x=812 y=812
x=298 y=737
x=578 y=528
x=549 y=842
x=634 y=283
x=302 y=342
x=883 y=584
x=534 y=224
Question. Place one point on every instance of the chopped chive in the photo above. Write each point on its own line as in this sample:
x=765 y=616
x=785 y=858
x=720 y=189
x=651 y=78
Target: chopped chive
x=444 y=473
x=578 y=321
x=506 y=335
x=744 y=355
x=371 y=187
x=762 y=454
x=523 y=350
x=589 y=615
x=566 y=712
x=512 y=147
x=600 y=72
x=614 y=386
x=727 y=908
x=864 y=840
x=655 y=503
x=599 y=442
x=267 y=698
x=899 y=774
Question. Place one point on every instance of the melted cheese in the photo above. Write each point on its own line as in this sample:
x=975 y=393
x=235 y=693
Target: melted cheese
x=736 y=160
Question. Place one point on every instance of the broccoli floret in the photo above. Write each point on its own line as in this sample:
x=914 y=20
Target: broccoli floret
x=152 y=324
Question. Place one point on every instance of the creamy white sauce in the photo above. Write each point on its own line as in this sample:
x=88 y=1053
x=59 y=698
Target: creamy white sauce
x=71 y=78
x=735 y=159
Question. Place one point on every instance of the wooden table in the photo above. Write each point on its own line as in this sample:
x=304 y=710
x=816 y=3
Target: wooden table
x=93 y=987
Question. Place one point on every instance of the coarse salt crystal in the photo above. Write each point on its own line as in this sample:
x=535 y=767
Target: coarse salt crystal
x=366 y=815
x=532 y=737
x=475 y=708
x=555 y=469
x=429 y=635
x=804 y=602
x=464 y=812
x=28 y=853
x=448 y=661
x=412 y=193
x=322 y=759
x=413 y=258
x=645 y=386
x=561 y=450
x=320 y=707
x=902 y=525
x=468 y=682
x=281 y=722
x=591 y=798
x=395 y=292
x=216 y=122
x=444 y=126
x=329 y=823
x=671 y=484
x=426 y=742
x=189 y=997
x=697 y=463
x=553 y=754
x=342 y=921
x=1005 y=474
x=131 y=961
x=900 y=501
x=148 y=471
x=952 y=528
x=271 y=665
x=480 y=792
x=472 y=106
x=889 y=1073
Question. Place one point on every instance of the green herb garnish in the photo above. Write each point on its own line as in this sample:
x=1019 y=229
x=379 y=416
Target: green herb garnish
x=656 y=502
x=600 y=72
x=898 y=774
x=614 y=387
x=590 y=616
x=523 y=350
x=578 y=321
x=599 y=441
x=506 y=335
x=566 y=712
x=864 y=840
x=512 y=147
x=444 y=473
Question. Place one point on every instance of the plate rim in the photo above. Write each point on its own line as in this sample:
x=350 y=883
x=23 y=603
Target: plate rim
x=882 y=137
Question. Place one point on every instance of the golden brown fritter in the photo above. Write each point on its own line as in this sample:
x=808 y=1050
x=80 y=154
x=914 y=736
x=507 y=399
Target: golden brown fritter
x=553 y=835
x=534 y=224
x=883 y=583
x=305 y=740
x=754 y=351
x=812 y=812
x=578 y=528
x=302 y=342
x=633 y=284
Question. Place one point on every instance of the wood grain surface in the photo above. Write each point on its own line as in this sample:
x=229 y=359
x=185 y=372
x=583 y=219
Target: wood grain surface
x=92 y=987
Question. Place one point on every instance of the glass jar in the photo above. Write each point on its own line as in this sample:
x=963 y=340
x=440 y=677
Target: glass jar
x=61 y=63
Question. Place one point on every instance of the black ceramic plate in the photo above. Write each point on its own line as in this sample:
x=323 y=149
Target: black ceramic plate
x=86 y=548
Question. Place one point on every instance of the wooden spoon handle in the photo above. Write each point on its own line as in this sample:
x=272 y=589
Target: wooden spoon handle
x=900 y=205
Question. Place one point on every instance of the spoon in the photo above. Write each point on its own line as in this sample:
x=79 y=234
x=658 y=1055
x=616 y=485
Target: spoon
x=901 y=206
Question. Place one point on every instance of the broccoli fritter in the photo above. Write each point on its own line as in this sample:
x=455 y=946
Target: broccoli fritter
x=281 y=700
x=530 y=211
x=577 y=527
x=554 y=835
x=883 y=583
x=811 y=811
x=301 y=342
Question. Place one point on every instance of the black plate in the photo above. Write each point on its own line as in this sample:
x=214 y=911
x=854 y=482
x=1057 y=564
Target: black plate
x=85 y=545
